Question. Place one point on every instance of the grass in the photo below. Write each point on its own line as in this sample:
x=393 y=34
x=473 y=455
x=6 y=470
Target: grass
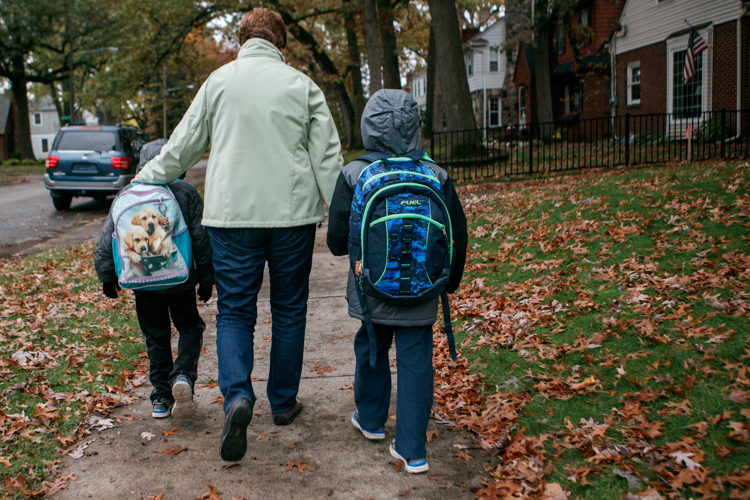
x=11 y=174
x=637 y=280
x=65 y=353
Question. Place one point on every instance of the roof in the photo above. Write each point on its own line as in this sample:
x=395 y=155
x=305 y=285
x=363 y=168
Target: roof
x=44 y=104
x=528 y=51
x=5 y=104
x=591 y=62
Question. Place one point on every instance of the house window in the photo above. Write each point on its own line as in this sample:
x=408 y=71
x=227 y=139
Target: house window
x=687 y=100
x=37 y=119
x=560 y=37
x=571 y=100
x=584 y=18
x=522 y=97
x=45 y=146
x=494 y=111
x=470 y=63
x=634 y=83
x=494 y=52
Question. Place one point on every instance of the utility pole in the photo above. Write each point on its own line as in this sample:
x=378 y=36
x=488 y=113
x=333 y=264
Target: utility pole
x=164 y=102
x=72 y=75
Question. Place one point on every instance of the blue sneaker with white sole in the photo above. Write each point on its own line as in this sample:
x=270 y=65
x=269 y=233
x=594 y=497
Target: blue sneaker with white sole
x=161 y=408
x=182 y=392
x=372 y=434
x=413 y=465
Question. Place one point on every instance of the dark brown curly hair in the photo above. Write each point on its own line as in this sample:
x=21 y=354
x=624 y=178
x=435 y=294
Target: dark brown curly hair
x=263 y=23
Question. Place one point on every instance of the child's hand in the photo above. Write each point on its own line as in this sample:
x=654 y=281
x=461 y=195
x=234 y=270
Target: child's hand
x=205 y=292
x=110 y=289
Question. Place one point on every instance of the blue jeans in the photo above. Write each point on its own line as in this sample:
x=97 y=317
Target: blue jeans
x=372 y=386
x=239 y=259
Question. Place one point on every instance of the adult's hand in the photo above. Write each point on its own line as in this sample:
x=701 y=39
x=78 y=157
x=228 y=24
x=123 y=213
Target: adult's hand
x=110 y=289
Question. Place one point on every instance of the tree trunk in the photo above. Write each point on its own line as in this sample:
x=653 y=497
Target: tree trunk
x=391 y=74
x=431 y=63
x=370 y=23
x=56 y=100
x=347 y=112
x=18 y=84
x=542 y=67
x=355 y=140
x=456 y=99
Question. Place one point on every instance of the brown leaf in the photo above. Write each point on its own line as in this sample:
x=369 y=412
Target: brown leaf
x=722 y=450
x=172 y=451
x=172 y=432
x=398 y=465
x=405 y=493
x=218 y=399
x=301 y=467
x=210 y=385
x=322 y=370
x=463 y=454
x=431 y=434
x=211 y=494
x=160 y=496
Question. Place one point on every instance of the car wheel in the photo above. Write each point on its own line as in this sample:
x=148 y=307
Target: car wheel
x=62 y=202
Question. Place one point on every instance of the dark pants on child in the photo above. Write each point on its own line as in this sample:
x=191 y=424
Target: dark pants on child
x=372 y=386
x=154 y=311
x=240 y=256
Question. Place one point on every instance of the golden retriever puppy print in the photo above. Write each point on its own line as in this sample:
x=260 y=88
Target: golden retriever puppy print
x=149 y=219
x=136 y=244
x=161 y=243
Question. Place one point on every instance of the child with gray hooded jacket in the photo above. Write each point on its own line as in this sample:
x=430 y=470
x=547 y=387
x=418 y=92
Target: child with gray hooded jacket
x=390 y=125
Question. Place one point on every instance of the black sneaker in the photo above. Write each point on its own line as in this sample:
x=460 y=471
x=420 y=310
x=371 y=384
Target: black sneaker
x=234 y=436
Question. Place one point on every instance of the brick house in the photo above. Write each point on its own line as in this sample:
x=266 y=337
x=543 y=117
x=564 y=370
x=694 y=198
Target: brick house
x=580 y=82
x=8 y=137
x=648 y=53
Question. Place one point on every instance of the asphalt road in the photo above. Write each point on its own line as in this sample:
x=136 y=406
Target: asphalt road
x=29 y=223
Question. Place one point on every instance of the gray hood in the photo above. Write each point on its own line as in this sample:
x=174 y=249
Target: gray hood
x=150 y=151
x=390 y=122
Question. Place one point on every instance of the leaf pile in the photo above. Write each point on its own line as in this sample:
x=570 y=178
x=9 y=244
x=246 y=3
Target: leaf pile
x=68 y=357
x=604 y=341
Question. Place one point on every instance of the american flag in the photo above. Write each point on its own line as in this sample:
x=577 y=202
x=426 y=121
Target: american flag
x=695 y=46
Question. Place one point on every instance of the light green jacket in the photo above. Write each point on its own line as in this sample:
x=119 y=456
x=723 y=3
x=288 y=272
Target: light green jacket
x=274 y=146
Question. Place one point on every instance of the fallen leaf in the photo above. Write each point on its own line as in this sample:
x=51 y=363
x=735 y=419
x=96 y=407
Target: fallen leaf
x=431 y=434
x=160 y=496
x=322 y=370
x=147 y=435
x=217 y=399
x=682 y=457
x=172 y=432
x=211 y=494
x=463 y=454
x=172 y=451
x=301 y=467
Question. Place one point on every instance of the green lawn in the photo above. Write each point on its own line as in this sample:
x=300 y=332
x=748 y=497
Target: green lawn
x=603 y=319
x=66 y=354
x=11 y=174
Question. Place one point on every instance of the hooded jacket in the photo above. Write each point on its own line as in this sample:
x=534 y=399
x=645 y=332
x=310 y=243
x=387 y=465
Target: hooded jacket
x=390 y=124
x=274 y=146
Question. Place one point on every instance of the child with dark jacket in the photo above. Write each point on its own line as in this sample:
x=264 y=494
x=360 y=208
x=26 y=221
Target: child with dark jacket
x=172 y=380
x=390 y=125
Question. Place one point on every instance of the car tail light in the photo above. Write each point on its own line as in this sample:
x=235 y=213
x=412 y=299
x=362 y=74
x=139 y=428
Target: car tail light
x=121 y=162
x=51 y=161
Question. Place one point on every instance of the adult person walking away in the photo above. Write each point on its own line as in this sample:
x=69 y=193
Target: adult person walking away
x=275 y=151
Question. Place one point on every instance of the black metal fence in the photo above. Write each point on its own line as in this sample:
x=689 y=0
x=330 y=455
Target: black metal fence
x=593 y=142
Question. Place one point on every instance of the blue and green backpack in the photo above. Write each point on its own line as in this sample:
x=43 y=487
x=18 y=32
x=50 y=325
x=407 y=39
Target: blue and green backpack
x=400 y=236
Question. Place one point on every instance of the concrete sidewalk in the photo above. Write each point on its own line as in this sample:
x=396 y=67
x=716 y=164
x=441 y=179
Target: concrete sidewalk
x=120 y=464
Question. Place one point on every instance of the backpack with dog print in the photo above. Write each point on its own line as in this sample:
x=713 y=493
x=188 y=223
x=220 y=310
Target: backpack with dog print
x=151 y=243
x=400 y=236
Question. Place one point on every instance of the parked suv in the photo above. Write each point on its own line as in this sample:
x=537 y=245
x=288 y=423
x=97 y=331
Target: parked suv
x=91 y=161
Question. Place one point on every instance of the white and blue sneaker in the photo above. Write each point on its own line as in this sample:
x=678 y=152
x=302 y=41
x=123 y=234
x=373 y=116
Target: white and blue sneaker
x=161 y=408
x=182 y=392
x=413 y=465
x=368 y=433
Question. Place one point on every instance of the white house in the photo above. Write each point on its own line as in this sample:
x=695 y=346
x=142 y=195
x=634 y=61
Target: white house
x=44 y=125
x=419 y=88
x=485 y=70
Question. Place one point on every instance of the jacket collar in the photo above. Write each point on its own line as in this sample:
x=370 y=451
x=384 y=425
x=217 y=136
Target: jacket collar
x=258 y=47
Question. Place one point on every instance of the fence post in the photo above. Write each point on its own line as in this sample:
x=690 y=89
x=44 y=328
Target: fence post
x=432 y=144
x=723 y=130
x=531 y=148
x=627 y=139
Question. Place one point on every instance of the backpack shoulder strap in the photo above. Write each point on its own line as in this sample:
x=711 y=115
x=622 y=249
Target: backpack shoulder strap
x=373 y=157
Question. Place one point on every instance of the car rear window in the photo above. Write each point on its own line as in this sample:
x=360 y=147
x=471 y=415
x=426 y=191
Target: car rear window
x=87 y=140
